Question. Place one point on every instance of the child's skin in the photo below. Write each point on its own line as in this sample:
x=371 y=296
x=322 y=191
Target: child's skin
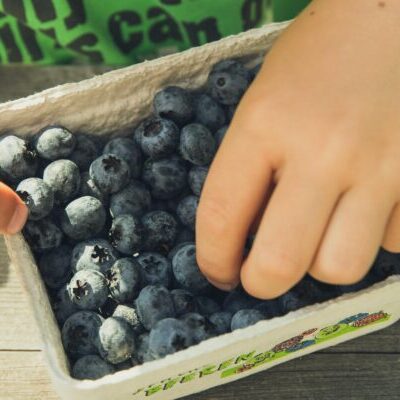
x=311 y=159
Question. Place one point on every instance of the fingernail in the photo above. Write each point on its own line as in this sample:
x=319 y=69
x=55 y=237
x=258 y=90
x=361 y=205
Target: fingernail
x=18 y=219
x=227 y=287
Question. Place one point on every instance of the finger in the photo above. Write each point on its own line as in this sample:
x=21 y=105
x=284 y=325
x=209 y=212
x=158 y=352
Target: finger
x=234 y=190
x=290 y=231
x=13 y=212
x=391 y=239
x=354 y=235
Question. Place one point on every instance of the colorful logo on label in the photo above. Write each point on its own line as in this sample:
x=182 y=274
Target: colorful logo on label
x=246 y=362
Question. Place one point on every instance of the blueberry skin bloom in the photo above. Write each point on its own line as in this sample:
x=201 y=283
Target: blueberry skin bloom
x=169 y=336
x=80 y=331
x=155 y=269
x=187 y=272
x=221 y=321
x=95 y=254
x=209 y=113
x=158 y=137
x=245 y=318
x=55 y=142
x=186 y=211
x=153 y=304
x=126 y=234
x=42 y=235
x=89 y=188
x=88 y=290
x=83 y=218
x=110 y=173
x=18 y=160
x=166 y=177
x=127 y=150
x=116 y=340
x=91 y=367
x=129 y=314
x=174 y=103
x=123 y=280
x=37 y=196
x=64 y=178
x=197 y=144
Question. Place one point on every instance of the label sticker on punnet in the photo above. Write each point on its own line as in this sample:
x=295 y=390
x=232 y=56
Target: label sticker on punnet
x=245 y=362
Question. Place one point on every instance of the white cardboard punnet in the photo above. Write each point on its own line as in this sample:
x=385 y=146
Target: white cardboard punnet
x=112 y=104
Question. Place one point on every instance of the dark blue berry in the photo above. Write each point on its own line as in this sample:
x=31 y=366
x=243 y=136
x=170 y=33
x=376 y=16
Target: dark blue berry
x=220 y=134
x=174 y=103
x=55 y=142
x=386 y=264
x=184 y=302
x=124 y=279
x=153 y=304
x=200 y=327
x=126 y=234
x=158 y=137
x=197 y=144
x=63 y=306
x=221 y=321
x=142 y=347
x=84 y=153
x=83 y=218
x=42 y=235
x=177 y=247
x=208 y=112
x=167 y=177
x=110 y=173
x=196 y=178
x=186 y=211
x=89 y=188
x=155 y=269
x=269 y=308
x=38 y=197
x=207 y=306
x=64 y=178
x=244 y=318
x=184 y=236
x=127 y=150
x=237 y=300
x=91 y=367
x=292 y=301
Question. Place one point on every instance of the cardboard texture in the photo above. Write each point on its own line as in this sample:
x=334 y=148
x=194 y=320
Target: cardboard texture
x=113 y=104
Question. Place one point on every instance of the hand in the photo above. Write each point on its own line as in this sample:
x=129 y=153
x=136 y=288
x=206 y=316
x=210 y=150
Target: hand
x=312 y=154
x=13 y=212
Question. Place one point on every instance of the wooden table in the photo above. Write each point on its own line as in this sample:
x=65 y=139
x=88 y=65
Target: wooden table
x=367 y=368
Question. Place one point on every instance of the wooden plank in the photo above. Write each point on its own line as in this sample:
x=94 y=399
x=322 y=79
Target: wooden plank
x=317 y=376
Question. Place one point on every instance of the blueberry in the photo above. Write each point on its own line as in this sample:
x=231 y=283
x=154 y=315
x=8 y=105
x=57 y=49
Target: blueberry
x=159 y=231
x=142 y=347
x=88 y=289
x=158 y=137
x=18 y=160
x=169 y=336
x=126 y=234
x=184 y=236
x=186 y=211
x=314 y=291
x=38 y=197
x=110 y=173
x=196 y=178
x=208 y=112
x=42 y=235
x=386 y=264
x=227 y=82
x=83 y=218
x=94 y=254
x=91 y=367
x=127 y=150
x=230 y=112
x=167 y=177
x=184 y=302
x=155 y=269
x=124 y=280
x=254 y=71
x=364 y=283
x=177 y=247
x=292 y=301
x=154 y=303
x=64 y=178
x=174 y=103
x=134 y=199
x=207 y=306
x=187 y=272
x=221 y=321
x=84 y=153
x=55 y=266
x=244 y=318
x=116 y=340
x=197 y=144
x=80 y=332
x=200 y=327
x=220 y=134
x=109 y=307
x=54 y=142
x=63 y=306
x=89 y=188
x=130 y=315
x=269 y=308
x=237 y=300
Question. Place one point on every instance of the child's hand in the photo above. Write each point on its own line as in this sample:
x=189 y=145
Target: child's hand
x=322 y=122
x=13 y=212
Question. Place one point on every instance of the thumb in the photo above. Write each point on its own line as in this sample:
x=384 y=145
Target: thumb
x=13 y=212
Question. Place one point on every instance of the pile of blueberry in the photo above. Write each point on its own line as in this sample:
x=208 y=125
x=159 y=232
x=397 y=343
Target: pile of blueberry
x=112 y=228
